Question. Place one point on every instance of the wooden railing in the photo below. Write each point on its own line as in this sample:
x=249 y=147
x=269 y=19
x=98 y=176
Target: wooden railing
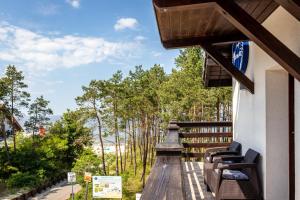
x=197 y=136
x=165 y=180
x=184 y=139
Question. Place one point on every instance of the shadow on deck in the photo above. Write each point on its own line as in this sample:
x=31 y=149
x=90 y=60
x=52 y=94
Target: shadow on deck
x=193 y=181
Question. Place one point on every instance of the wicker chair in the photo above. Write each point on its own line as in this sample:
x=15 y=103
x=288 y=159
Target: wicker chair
x=212 y=153
x=238 y=179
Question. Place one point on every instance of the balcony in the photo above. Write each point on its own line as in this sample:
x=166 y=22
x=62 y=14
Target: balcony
x=178 y=170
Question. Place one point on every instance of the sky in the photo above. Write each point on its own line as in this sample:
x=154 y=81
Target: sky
x=61 y=45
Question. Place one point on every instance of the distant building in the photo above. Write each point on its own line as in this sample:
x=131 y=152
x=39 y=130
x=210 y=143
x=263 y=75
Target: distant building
x=8 y=120
x=42 y=131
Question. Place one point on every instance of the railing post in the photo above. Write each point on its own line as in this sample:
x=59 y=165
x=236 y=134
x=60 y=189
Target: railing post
x=171 y=146
x=165 y=179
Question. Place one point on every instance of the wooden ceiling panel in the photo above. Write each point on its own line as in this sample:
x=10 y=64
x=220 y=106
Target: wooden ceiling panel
x=184 y=23
x=267 y=11
x=192 y=19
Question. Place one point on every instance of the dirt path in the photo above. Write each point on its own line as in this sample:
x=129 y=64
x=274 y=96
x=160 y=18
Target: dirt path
x=60 y=191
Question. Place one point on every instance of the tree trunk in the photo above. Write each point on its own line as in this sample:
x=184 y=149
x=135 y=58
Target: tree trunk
x=116 y=144
x=12 y=120
x=125 y=142
x=140 y=141
x=120 y=152
x=218 y=113
x=134 y=146
x=153 y=141
x=130 y=143
x=145 y=132
x=101 y=140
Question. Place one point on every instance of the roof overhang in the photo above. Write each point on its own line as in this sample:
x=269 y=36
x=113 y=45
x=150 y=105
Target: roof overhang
x=211 y=23
x=214 y=75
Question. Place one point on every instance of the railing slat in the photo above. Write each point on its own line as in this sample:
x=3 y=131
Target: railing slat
x=202 y=124
x=204 y=145
x=200 y=135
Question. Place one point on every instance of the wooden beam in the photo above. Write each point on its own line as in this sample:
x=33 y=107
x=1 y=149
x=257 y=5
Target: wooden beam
x=189 y=124
x=291 y=138
x=175 y=3
x=228 y=66
x=261 y=36
x=196 y=41
x=293 y=7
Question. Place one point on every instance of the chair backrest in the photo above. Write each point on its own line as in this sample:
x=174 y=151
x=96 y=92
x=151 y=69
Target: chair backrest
x=251 y=156
x=235 y=146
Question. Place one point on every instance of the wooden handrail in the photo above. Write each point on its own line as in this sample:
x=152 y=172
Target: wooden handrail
x=165 y=181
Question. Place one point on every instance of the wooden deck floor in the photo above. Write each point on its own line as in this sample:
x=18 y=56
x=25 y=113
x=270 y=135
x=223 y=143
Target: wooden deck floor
x=193 y=181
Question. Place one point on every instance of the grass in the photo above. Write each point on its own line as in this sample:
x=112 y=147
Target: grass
x=131 y=184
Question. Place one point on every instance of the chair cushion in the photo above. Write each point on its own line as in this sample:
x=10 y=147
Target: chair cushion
x=234 y=175
x=208 y=158
x=228 y=161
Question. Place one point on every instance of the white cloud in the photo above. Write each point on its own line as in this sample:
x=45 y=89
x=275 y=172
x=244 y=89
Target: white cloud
x=139 y=38
x=42 y=52
x=124 y=23
x=49 y=9
x=74 y=3
x=156 y=54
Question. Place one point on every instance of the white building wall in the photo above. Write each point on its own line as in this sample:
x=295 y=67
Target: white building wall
x=7 y=125
x=277 y=137
x=250 y=111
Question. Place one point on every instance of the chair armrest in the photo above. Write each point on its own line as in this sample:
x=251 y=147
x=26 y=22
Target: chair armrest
x=236 y=166
x=216 y=149
x=224 y=153
x=210 y=151
x=234 y=158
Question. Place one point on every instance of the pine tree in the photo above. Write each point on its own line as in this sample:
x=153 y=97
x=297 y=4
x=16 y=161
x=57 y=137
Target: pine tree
x=16 y=97
x=92 y=103
x=38 y=115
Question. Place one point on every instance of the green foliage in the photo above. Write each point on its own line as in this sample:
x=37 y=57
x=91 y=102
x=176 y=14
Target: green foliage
x=15 y=96
x=88 y=161
x=72 y=129
x=35 y=162
x=131 y=183
x=183 y=96
x=38 y=114
x=19 y=179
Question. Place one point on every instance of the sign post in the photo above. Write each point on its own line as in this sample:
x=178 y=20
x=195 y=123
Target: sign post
x=72 y=180
x=107 y=187
x=87 y=179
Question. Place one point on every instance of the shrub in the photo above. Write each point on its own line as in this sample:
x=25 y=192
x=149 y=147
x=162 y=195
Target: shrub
x=88 y=161
x=19 y=180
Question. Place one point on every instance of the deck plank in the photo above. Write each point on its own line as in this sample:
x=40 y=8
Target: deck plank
x=194 y=182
